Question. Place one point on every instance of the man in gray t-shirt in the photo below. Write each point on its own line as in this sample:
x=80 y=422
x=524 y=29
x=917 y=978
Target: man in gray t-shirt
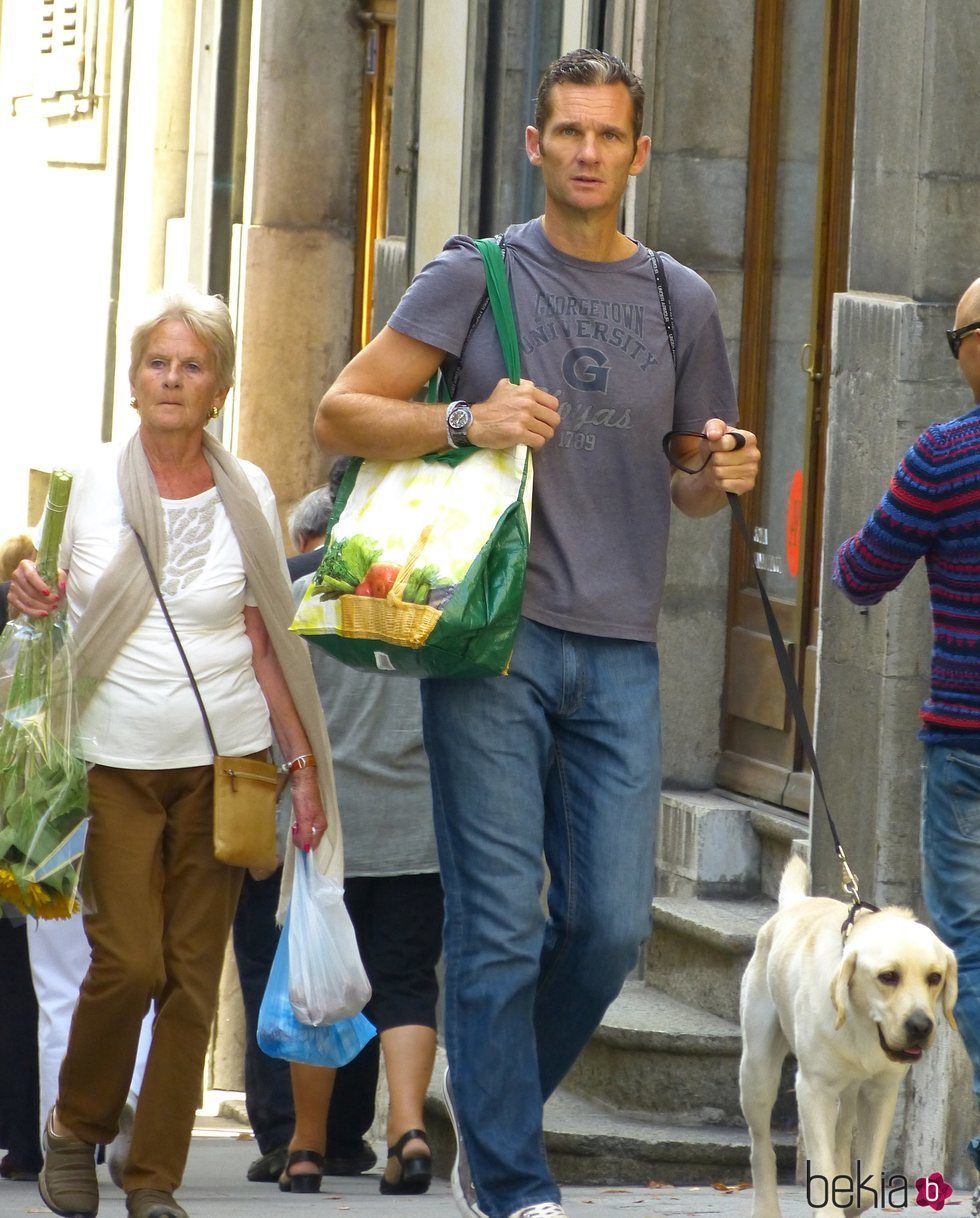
x=559 y=760
x=592 y=335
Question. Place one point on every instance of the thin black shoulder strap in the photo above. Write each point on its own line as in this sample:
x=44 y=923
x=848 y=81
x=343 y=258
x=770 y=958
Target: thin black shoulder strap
x=481 y=308
x=180 y=647
x=663 y=292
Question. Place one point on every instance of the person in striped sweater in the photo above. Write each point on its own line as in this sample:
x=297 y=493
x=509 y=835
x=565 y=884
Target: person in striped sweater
x=931 y=510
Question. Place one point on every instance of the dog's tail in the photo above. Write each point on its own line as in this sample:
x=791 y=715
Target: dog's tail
x=795 y=884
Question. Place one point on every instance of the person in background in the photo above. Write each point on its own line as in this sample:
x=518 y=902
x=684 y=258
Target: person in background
x=18 y=1053
x=308 y=525
x=931 y=510
x=59 y=959
x=157 y=905
x=12 y=552
x=394 y=896
x=268 y=1089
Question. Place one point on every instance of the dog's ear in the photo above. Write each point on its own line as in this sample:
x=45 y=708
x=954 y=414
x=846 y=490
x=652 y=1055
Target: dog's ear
x=950 y=988
x=839 y=985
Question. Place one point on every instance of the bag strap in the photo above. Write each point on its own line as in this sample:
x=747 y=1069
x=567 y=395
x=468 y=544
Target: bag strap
x=432 y=389
x=660 y=274
x=180 y=646
x=497 y=296
x=498 y=290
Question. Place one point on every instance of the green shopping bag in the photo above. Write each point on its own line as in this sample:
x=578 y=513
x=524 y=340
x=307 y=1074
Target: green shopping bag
x=424 y=561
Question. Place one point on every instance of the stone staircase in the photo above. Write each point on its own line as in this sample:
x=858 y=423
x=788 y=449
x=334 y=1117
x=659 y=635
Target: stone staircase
x=654 y=1096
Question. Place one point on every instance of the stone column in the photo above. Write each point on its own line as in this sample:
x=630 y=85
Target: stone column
x=293 y=288
x=691 y=202
x=292 y=281
x=915 y=230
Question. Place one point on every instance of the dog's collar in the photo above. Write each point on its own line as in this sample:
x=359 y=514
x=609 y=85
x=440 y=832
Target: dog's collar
x=848 y=924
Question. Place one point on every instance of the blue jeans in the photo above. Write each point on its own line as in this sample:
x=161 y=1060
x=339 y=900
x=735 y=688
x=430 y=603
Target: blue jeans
x=557 y=762
x=951 y=874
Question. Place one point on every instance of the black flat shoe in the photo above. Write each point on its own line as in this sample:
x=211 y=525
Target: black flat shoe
x=416 y=1171
x=355 y=1164
x=302 y=1182
x=15 y=1167
x=268 y=1168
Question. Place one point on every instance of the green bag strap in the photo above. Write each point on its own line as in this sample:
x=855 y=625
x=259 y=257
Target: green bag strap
x=498 y=290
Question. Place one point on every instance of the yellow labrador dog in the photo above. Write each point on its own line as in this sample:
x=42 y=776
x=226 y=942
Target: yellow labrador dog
x=856 y=1012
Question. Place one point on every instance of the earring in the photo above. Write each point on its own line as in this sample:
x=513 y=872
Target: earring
x=133 y=402
x=214 y=412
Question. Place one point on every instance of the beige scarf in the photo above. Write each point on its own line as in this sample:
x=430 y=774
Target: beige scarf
x=123 y=596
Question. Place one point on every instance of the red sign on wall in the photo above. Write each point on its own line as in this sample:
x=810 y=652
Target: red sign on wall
x=794 y=522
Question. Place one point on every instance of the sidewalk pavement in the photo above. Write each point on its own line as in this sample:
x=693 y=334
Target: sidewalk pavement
x=221 y=1150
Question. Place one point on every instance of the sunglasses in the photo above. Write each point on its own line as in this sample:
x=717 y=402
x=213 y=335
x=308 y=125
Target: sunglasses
x=955 y=337
x=679 y=453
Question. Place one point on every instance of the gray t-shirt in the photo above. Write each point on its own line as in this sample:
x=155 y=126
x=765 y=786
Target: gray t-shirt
x=591 y=333
x=379 y=765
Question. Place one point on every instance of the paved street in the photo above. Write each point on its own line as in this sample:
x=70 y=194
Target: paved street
x=215 y=1187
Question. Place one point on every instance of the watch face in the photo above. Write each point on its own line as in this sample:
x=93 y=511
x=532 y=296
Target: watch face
x=460 y=418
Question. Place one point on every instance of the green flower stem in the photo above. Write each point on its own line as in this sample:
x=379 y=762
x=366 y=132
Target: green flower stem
x=59 y=490
x=43 y=787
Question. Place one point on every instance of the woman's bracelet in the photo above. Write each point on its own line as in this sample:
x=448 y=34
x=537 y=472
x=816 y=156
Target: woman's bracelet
x=306 y=761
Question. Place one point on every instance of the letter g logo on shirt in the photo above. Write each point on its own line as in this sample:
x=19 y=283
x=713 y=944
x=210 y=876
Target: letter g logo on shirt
x=586 y=369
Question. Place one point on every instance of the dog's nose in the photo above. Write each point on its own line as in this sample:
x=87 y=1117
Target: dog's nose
x=918 y=1026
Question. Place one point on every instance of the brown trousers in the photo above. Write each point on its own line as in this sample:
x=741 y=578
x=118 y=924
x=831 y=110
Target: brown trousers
x=158 y=908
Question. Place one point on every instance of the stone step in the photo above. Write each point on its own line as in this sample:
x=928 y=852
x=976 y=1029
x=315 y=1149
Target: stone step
x=699 y=948
x=589 y=1143
x=706 y=846
x=780 y=834
x=657 y=1055
x=713 y=845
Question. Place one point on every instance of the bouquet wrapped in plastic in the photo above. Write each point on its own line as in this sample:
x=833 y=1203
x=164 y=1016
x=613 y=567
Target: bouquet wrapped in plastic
x=43 y=786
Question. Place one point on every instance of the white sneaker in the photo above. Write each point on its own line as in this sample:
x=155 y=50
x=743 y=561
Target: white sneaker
x=460 y=1179
x=544 y=1209
x=117 y=1152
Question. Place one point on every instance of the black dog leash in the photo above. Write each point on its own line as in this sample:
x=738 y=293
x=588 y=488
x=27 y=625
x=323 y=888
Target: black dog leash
x=849 y=881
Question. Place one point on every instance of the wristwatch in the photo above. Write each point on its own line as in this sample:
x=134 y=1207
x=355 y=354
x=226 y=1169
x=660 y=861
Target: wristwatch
x=458 y=419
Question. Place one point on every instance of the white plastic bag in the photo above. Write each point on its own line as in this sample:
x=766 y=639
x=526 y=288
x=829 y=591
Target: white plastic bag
x=327 y=981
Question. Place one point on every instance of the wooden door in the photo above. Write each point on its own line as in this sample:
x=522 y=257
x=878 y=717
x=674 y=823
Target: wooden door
x=796 y=258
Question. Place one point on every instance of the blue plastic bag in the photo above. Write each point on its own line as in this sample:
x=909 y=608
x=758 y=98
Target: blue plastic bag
x=280 y=1033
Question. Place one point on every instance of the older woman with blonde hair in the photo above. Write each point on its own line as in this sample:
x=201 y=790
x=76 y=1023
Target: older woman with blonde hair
x=157 y=904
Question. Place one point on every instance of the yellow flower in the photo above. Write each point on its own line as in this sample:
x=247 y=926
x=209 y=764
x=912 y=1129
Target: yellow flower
x=37 y=901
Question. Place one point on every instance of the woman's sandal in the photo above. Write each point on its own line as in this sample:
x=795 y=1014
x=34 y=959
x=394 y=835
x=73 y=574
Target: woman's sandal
x=306 y=1181
x=416 y=1171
